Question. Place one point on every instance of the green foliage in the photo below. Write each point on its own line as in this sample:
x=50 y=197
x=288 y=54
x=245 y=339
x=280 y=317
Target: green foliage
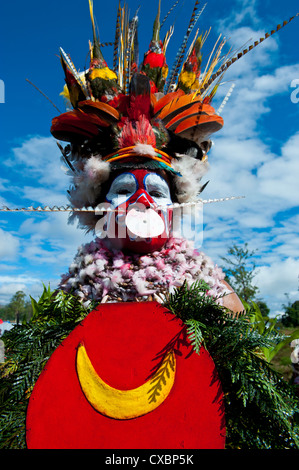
x=268 y=326
x=240 y=270
x=291 y=317
x=28 y=346
x=159 y=377
x=263 y=307
x=260 y=407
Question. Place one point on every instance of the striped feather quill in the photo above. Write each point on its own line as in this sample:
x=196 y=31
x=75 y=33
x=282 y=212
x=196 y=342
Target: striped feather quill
x=180 y=55
x=229 y=62
x=68 y=62
x=116 y=40
x=168 y=13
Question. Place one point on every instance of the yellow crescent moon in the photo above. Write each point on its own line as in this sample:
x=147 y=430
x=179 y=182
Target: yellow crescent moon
x=125 y=404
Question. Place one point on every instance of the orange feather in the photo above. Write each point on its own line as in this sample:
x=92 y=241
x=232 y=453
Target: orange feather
x=199 y=127
x=195 y=110
x=166 y=99
x=177 y=105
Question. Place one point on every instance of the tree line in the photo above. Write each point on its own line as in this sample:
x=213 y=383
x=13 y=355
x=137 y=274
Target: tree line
x=18 y=309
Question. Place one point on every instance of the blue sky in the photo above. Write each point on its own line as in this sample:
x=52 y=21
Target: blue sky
x=255 y=155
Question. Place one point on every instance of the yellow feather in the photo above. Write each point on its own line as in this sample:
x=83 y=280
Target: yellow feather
x=65 y=93
x=92 y=17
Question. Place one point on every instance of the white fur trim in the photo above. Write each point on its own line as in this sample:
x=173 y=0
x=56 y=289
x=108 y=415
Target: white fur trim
x=192 y=170
x=145 y=149
x=96 y=170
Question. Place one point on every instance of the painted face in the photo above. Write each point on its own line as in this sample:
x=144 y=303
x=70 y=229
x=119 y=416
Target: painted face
x=138 y=224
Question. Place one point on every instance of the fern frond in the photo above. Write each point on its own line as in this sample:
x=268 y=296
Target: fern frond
x=195 y=334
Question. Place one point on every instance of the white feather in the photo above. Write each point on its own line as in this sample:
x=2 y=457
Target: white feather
x=192 y=170
x=144 y=149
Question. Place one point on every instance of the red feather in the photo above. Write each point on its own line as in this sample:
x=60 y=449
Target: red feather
x=75 y=125
x=106 y=113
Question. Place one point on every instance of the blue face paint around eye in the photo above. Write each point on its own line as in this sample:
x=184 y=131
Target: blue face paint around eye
x=157 y=188
x=122 y=189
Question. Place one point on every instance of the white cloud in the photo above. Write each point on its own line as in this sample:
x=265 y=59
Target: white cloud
x=40 y=157
x=3 y=184
x=277 y=280
x=38 y=162
x=45 y=196
x=9 y=246
x=10 y=284
x=244 y=10
x=51 y=240
x=279 y=177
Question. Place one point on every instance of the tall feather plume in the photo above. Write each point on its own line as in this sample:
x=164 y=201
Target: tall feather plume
x=167 y=39
x=157 y=25
x=131 y=44
x=126 y=48
x=213 y=61
x=229 y=62
x=122 y=66
x=96 y=50
x=226 y=98
x=211 y=93
x=66 y=61
x=135 y=51
x=180 y=55
x=117 y=36
x=168 y=13
x=102 y=44
x=42 y=93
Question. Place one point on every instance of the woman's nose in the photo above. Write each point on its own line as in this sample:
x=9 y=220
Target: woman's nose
x=143 y=199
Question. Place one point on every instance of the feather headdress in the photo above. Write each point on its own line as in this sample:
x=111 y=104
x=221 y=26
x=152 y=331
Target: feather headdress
x=134 y=116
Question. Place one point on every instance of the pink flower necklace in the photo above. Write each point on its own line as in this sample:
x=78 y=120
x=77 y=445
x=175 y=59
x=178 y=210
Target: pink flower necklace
x=101 y=274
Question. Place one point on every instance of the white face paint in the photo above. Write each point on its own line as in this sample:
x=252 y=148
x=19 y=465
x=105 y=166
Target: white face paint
x=122 y=188
x=158 y=189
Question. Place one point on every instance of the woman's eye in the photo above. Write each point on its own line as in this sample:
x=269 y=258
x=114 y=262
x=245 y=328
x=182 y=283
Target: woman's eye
x=123 y=191
x=156 y=194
